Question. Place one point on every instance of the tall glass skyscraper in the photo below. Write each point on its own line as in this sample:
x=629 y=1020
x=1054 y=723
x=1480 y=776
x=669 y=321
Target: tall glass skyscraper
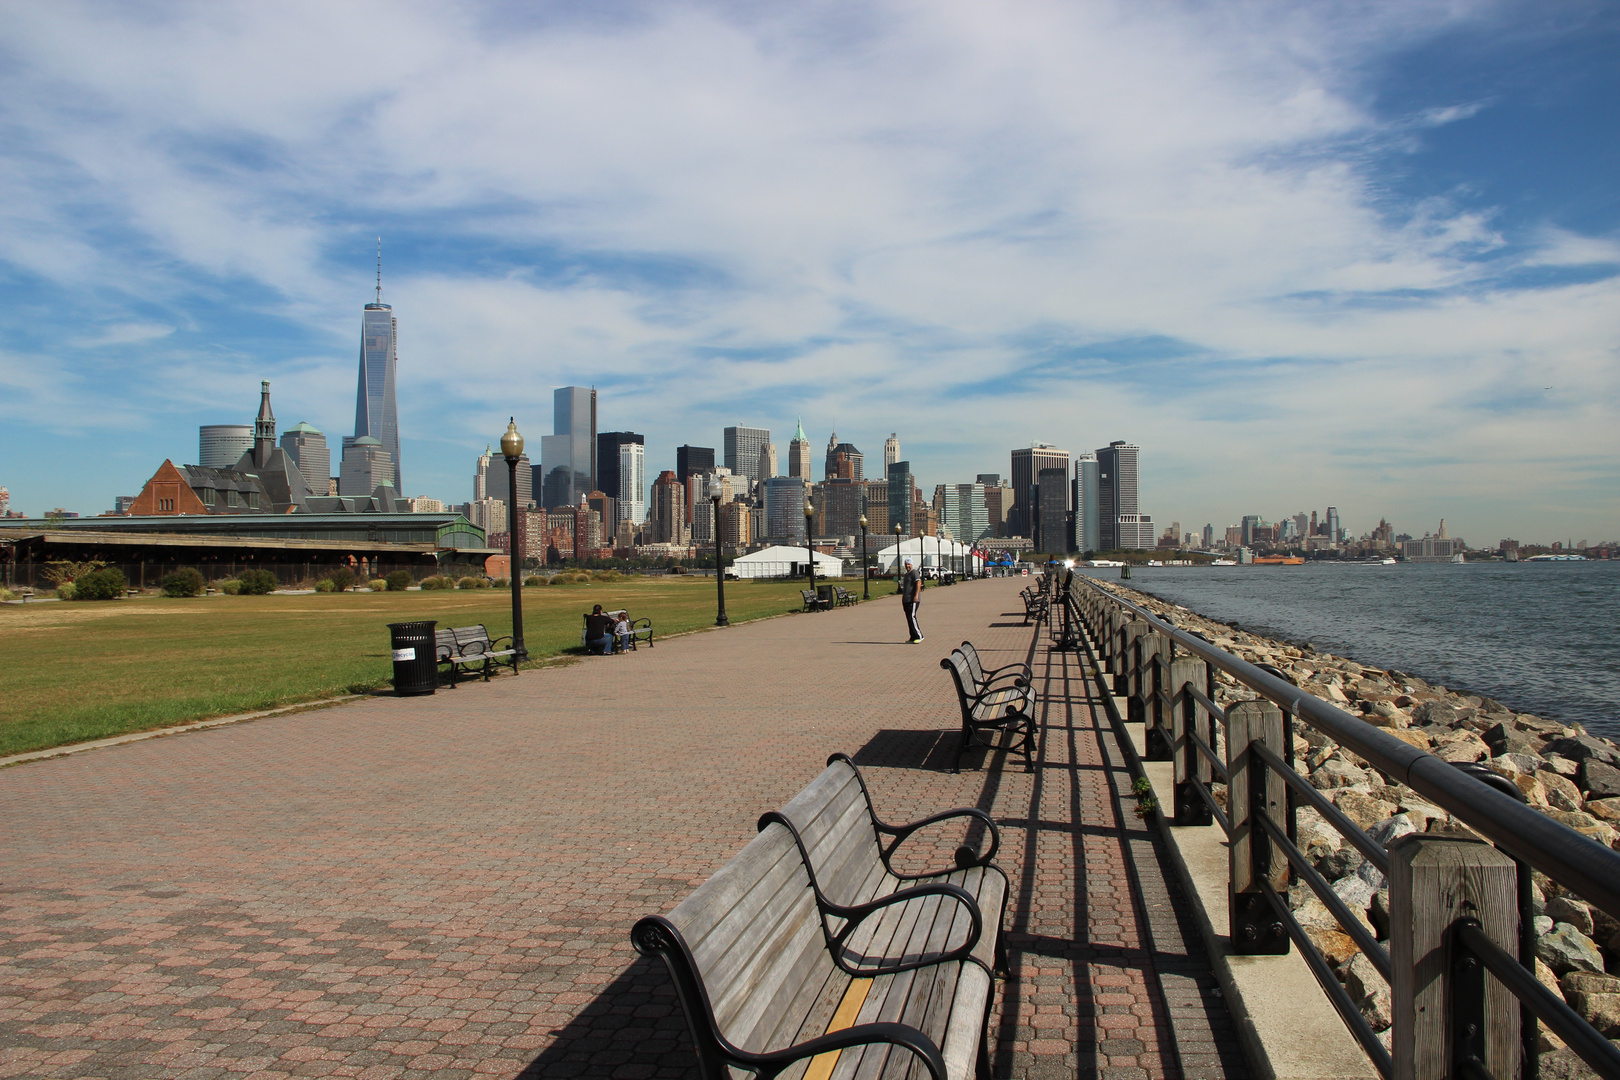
x=568 y=457
x=375 y=412
x=742 y=448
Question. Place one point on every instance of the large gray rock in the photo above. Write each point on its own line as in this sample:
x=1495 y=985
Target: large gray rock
x=1565 y=1064
x=1369 y=991
x=1335 y=772
x=1362 y=808
x=1567 y=909
x=1600 y=780
x=1566 y=949
x=1340 y=863
x=1562 y=792
x=1581 y=747
x=1434 y=712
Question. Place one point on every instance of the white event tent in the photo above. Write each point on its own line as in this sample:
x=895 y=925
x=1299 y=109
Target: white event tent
x=774 y=562
x=926 y=551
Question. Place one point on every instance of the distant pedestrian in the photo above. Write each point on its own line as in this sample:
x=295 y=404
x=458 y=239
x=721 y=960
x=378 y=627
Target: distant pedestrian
x=910 y=596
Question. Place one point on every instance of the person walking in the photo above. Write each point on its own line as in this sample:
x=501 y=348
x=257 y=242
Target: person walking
x=911 y=587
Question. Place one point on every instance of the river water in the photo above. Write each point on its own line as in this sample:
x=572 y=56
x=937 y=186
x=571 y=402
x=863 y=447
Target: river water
x=1542 y=638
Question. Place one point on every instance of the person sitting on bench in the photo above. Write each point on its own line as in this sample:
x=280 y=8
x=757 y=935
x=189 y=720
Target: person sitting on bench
x=598 y=632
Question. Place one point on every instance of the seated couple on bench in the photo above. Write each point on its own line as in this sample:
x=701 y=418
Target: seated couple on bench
x=604 y=629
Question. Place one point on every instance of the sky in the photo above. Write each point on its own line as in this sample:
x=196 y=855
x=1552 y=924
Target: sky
x=1359 y=254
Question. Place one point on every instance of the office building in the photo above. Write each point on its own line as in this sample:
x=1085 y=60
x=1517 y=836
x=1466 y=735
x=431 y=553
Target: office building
x=741 y=448
x=997 y=504
x=693 y=459
x=307 y=447
x=799 y=455
x=488 y=514
x=784 y=508
x=1135 y=532
x=1335 y=531
x=219 y=446
x=767 y=462
x=903 y=497
x=568 y=455
x=891 y=452
x=621 y=473
x=376 y=414
x=1209 y=537
x=736 y=524
x=1087 y=508
x=989 y=479
x=666 y=514
x=492 y=479
x=842 y=457
x=1051 y=510
x=1251 y=524
x=839 y=504
x=1117 y=470
x=962 y=511
x=366 y=467
x=877 y=507
x=1027 y=463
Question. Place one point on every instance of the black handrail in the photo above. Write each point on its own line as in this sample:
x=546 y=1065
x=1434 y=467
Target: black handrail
x=1577 y=862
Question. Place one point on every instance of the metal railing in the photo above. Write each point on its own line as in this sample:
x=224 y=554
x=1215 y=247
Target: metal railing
x=1455 y=904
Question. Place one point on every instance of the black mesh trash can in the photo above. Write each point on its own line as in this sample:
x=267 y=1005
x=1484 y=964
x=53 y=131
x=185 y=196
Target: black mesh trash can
x=416 y=670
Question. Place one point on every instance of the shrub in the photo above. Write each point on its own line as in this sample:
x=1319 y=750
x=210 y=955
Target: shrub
x=533 y=579
x=501 y=583
x=186 y=581
x=230 y=587
x=64 y=591
x=398 y=581
x=438 y=581
x=325 y=585
x=377 y=584
x=472 y=583
x=256 y=582
x=558 y=579
x=106 y=584
x=607 y=575
x=7 y=594
x=341 y=578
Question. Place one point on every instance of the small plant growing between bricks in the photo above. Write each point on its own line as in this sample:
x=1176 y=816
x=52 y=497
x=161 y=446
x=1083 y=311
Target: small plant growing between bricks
x=1146 y=802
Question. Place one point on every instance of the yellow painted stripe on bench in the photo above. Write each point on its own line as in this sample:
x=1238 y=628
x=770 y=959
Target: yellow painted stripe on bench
x=821 y=1066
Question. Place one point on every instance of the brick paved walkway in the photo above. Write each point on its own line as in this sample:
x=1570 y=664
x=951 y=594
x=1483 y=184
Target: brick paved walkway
x=444 y=886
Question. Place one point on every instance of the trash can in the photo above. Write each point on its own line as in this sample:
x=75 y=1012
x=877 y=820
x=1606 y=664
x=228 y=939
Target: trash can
x=416 y=670
x=824 y=593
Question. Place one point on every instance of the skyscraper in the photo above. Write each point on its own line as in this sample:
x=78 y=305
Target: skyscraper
x=891 y=451
x=767 y=462
x=219 y=446
x=1027 y=464
x=693 y=459
x=1334 y=531
x=307 y=447
x=493 y=479
x=628 y=489
x=902 y=496
x=784 y=508
x=799 y=455
x=1051 y=510
x=962 y=510
x=375 y=412
x=666 y=520
x=1087 y=507
x=851 y=456
x=1117 y=490
x=568 y=455
x=742 y=447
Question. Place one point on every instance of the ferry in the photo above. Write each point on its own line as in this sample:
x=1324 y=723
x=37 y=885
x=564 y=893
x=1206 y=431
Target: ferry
x=1279 y=560
x=1223 y=562
x=1556 y=558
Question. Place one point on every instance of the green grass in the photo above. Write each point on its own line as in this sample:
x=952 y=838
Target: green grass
x=76 y=671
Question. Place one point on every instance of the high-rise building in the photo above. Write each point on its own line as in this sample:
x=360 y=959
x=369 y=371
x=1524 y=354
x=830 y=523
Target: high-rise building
x=1027 y=464
x=962 y=510
x=376 y=414
x=1117 y=490
x=891 y=451
x=1087 y=505
x=701 y=509
x=877 y=507
x=306 y=445
x=366 y=467
x=621 y=472
x=997 y=504
x=666 y=514
x=1051 y=510
x=784 y=509
x=989 y=479
x=489 y=514
x=1334 y=530
x=1135 y=532
x=1209 y=536
x=693 y=459
x=220 y=446
x=767 y=462
x=741 y=450
x=903 y=500
x=844 y=458
x=799 y=455
x=839 y=504
x=568 y=455
x=492 y=479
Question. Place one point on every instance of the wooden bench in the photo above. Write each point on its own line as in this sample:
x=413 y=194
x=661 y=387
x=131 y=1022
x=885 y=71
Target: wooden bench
x=765 y=986
x=640 y=630
x=812 y=602
x=844 y=596
x=982 y=676
x=999 y=704
x=471 y=647
x=1035 y=604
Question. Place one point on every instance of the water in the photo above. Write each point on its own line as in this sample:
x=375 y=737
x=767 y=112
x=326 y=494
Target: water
x=1542 y=638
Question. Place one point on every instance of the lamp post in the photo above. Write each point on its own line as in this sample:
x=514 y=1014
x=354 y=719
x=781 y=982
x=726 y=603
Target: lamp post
x=897 y=556
x=809 y=549
x=719 y=563
x=866 y=567
x=512 y=450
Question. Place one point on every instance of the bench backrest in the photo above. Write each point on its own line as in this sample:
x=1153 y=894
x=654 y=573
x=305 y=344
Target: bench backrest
x=966 y=689
x=754 y=933
x=833 y=817
x=471 y=639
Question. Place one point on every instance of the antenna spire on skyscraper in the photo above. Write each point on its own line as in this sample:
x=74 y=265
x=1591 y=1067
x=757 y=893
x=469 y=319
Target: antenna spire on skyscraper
x=379 y=269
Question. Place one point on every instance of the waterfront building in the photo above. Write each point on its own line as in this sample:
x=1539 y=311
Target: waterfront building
x=799 y=455
x=784 y=508
x=1027 y=463
x=376 y=413
x=1087 y=509
x=1051 y=510
x=492 y=479
x=742 y=447
x=1135 y=532
x=903 y=496
x=1440 y=548
x=621 y=472
x=841 y=456
x=891 y=452
x=666 y=514
x=306 y=445
x=219 y=446
x=568 y=455
x=1251 y=524
x=1117 y=495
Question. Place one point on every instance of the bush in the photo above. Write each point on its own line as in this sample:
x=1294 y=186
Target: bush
x=438 y=581
x=501 y=583
x=325 y=585
x=64 y=591
x=7 y=594
x=186 y=581
x=256 y=582
x=472 y=583
x=398 y=581
x=341 y=578
x=533 y=579
x=230 y=587
x=607 y=575
x=107 y=584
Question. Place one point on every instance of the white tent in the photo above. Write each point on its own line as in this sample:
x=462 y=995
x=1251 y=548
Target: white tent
x=926 y=551
x=775 y=562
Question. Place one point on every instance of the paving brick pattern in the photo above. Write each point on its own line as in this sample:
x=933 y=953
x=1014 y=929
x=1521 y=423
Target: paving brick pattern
x=444 y=886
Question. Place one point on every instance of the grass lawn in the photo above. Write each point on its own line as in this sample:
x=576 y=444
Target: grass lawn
x=76 y=671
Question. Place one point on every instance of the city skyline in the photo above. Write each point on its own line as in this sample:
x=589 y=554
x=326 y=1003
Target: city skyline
x=1303 y=257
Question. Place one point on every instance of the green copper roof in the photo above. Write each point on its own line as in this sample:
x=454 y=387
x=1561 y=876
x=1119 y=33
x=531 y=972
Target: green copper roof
x=301 y=428
x=798 y=436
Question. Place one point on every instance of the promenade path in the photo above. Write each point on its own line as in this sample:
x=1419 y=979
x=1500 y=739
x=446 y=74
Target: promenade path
x=444 y=886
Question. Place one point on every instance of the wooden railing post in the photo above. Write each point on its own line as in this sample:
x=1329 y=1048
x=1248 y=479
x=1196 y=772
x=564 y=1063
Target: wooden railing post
x=1130 y=637
x=1253 y=857
x=1187 y=716
x=1152 y=675
x=1433 y=882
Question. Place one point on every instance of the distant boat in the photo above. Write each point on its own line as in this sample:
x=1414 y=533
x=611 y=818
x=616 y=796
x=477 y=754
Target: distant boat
x=1556 y=558
x=1223 y=562
x=1155 y=562
x=1102 y=562
x=1279 y=560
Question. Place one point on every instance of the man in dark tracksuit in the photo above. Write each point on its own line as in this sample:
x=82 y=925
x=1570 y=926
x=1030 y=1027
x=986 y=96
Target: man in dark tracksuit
x=910 y=596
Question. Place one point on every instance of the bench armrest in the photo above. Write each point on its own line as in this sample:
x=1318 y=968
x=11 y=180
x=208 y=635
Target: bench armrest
x=965 y=856
x=854 y=916
x=903 y=1035
x=496 y=643
x=1017 y=678
x=990 y=673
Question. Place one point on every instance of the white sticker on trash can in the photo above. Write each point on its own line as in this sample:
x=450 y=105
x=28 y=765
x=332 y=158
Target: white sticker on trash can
x=405 y=654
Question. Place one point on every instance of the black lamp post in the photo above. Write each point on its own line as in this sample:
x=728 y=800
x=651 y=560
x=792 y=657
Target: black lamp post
x=866 y=568
x=719 y=563
x=512 y=450
x=897 y=582
x=809 y=549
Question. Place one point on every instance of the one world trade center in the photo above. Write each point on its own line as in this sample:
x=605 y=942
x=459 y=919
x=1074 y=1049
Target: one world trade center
x=375 y=411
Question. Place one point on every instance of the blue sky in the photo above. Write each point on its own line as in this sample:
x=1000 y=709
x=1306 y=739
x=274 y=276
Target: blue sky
x=1365 y=255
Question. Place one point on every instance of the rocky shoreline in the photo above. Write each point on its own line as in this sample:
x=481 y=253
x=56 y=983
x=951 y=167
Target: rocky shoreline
x=1563 y=771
